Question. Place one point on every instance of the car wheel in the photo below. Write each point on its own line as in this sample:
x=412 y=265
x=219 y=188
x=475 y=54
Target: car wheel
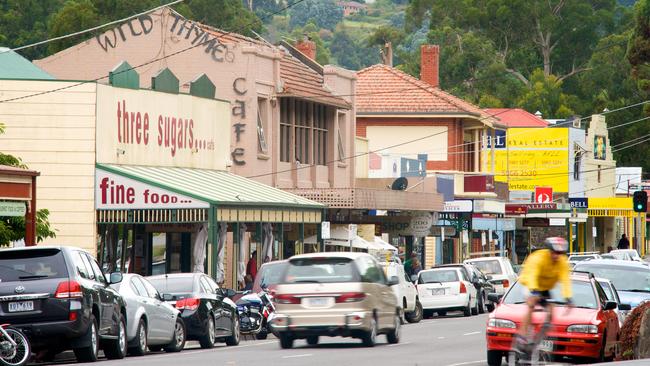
x=286 y=341
x=312 y=340
x=178 y=341
x=370 y=338
x=494 y=358
x=393 y=335
x=416 y=315
x=481 y=305
x=89 y=353
x=233 y=340
x=475 y=309
x=468 y=310
x=116 y=349
x=207 y=340
x=140 y=340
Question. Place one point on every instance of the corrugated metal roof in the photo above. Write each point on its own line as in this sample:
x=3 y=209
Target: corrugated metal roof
x=218 y=187
x=15 y=66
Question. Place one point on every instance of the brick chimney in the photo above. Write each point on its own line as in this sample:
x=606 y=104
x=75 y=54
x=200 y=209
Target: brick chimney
x=429 y=62
x=307 y=47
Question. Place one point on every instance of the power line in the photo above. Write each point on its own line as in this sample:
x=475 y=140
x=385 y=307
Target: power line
x=634 y=144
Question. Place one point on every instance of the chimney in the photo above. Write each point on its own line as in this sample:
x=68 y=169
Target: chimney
x=307 y=47
x=429 y=62
x=387 y=54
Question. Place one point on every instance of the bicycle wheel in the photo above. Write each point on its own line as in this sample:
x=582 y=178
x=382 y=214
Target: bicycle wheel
x=17 y=356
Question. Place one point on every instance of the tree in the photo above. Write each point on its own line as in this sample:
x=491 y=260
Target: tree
x=73 y=16
x=323 y=13
x=352 y=53
x=544 y=93
x=224 y=14
x=13 y=228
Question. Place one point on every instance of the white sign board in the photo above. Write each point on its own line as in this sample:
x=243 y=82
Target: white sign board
x=144 y=127
x=113 y=191
x=458 y=206
x=420 y=225
x=489 y=206
x=325 y=230
x=352 y=231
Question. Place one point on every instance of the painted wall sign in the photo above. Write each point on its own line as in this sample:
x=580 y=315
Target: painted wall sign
x=458 y=206
x=113 y=191
x=239 y=117
x=579 y=202
x=12 y=208
x=143 y=127
x=600 y=147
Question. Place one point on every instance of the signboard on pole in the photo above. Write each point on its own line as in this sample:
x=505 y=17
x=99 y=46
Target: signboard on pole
x=325 y=230
x=543 y=194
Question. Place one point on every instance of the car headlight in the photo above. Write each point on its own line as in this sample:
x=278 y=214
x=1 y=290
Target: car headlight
x=582 y=328
x=501 y=323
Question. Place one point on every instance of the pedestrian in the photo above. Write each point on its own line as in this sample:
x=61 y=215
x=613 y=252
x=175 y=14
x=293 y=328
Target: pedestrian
x=408 y=264
x=251 y=267
x=248 y=280
x=609 y=249
x=623 y=243
x=416 y=267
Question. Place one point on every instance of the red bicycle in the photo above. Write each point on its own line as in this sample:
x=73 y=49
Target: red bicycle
x=14 y=347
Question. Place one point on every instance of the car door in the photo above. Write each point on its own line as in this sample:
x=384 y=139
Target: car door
x=215 y=304
x=387 y=295
x=108 y=300
x=165 y=317
x=408 y=288
x=227 y=311
x=611 y=318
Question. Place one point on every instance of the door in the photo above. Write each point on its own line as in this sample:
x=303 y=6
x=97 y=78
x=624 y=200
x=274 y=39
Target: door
x=215 y=304
x=164 y=316
x=110 y=313
x=227 y=313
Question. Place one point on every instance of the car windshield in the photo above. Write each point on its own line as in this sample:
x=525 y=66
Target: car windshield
x=624 y=278
x=269 y=275
x=438 y=275
x=621 y=255
x=583 y=294
x=173 y=285
x=321 y=270
x=23 y=265
x=488 y=267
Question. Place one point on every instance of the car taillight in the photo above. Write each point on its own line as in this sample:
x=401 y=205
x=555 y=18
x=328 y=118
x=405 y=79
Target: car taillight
x=463 y=289
x=286 y=299
x=351 y=297
x=506 y=283
x=68 y=290
x=188 y=304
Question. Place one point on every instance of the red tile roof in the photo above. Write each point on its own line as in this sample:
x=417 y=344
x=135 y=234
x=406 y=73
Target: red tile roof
x=384 y=89
x=516 y=117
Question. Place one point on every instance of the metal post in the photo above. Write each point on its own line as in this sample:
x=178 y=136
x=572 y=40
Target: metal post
x=212 y=241
x=235 y=254
x=301 y=230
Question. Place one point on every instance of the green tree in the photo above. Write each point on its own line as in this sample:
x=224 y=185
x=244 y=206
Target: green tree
x=13 y=228
x=24 y=22
x=544 y=93
x=224 y=14
x=75 y=15
x=324 y=13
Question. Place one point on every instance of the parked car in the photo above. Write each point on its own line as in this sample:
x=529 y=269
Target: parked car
x=579 y=257
x=335 y=294
x=207 y=311
x=610 y=290
x=588 y=330
x=59 y=297
x=444 y=289
x=627 y=254
x=479 y=281
x=405 y=291
x=499 y=268
x=151 y=322
x=632 y=279
x=267 y=278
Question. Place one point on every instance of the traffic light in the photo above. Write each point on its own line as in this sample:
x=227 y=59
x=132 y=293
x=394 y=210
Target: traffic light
x=640 y=200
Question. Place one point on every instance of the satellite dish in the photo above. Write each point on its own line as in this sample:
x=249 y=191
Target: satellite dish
x=400 y=184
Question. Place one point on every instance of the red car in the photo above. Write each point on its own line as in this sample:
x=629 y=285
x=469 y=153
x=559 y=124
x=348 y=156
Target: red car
x=589 y=330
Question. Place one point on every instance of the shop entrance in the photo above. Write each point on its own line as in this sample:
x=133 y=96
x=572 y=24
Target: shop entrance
x=170 y=252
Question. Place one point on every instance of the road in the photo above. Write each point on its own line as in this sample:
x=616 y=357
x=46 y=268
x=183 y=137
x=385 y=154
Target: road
x=446 y=341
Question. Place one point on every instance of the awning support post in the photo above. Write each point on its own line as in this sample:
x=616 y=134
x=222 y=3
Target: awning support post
x=235 y=255
x=301 y=236
x=212 y=239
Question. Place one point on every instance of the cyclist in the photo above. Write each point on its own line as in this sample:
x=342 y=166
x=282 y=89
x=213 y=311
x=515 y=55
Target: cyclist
x=542 y=270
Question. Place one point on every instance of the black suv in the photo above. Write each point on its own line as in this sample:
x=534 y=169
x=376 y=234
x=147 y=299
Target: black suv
x=61 y=299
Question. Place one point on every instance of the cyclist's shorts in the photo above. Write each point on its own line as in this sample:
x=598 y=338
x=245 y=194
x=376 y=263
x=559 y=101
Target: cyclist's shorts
x=542 y=295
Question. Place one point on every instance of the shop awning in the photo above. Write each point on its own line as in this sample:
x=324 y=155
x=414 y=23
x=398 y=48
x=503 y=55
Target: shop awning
x=236 y=198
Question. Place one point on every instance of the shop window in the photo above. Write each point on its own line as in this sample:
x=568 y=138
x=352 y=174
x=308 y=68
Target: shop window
x=262 y=123
x=158 y=253
x=576 y=165
x=303 y=126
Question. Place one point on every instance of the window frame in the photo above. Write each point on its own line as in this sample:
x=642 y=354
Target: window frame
x=262 y=123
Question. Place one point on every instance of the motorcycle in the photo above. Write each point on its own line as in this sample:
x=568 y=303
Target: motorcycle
x=255 y=311
x=15 y=349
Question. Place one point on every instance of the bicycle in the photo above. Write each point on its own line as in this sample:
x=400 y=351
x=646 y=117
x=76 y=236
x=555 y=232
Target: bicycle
x=15 y=349
x=540 y=350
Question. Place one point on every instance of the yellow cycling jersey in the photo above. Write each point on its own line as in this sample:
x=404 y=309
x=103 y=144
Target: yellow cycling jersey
x=540 y=273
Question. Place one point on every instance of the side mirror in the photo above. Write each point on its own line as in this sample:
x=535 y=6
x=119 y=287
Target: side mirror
x=414 y=278
x=624 y=307
x=610 y=305
x=115 y=277
x=167 y=297
x=494 y=297
x=393 y=280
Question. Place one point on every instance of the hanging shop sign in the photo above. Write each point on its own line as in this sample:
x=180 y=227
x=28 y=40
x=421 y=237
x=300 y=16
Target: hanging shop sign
x=516 y=209
x=325 y=230
x=12 y=208
x=579 y=202
x=113 y=191
x=144 y=127
x=541 y=206
x=420 y=225
x=458 y=206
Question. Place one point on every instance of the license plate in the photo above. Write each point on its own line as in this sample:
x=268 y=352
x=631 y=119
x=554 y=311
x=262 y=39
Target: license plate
x=15 y=307
x=318 y=302
x=437 y=291
x=546 y=346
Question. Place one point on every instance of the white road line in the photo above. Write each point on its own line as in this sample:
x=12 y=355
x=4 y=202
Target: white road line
x=399 y=344
x=467 y=363
x=471 y=333
x=296 y=356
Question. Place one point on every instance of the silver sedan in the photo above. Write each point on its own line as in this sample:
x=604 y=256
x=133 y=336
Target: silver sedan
x=151 y=322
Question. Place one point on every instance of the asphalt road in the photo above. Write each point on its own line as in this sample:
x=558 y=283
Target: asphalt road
x=446 y=341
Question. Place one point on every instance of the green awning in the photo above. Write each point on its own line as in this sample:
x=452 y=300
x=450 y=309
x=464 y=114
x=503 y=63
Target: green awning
x=216 y=187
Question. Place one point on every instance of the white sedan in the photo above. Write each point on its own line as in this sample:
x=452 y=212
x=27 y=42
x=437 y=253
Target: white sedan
x=446 y=289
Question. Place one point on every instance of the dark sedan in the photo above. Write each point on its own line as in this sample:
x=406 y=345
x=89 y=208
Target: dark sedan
x=208 y=313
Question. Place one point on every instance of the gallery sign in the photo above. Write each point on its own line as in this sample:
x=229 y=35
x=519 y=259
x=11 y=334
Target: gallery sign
x=113 y=191
x=144 y=127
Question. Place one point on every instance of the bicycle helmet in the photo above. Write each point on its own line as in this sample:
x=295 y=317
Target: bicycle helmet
x=557 y=244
